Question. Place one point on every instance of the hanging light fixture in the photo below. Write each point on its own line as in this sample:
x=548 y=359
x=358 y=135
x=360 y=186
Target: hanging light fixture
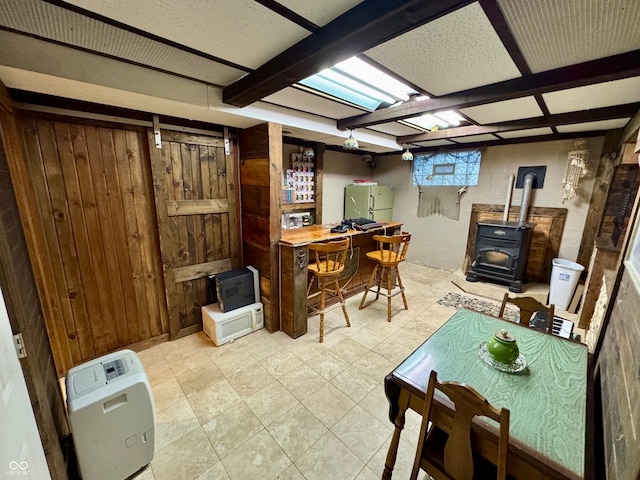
x=577 y=167
x=307 y=152
x=351 y=143
x=407 y=156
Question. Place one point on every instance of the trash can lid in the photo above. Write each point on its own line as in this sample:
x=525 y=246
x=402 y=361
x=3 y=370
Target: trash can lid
x=561 y=262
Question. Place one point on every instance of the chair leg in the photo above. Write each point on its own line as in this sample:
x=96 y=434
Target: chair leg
x=404 y=299
x=322 y=293
x=344 y=307
x=369 y=285
x=379 y=281
x=389 y=287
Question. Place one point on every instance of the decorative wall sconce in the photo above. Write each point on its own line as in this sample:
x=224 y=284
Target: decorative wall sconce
x=577 y=167
x=407 y=156
x=351 y=143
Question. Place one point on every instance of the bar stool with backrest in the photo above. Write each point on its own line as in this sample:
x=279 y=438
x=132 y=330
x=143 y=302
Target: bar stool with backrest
x=528 y=306
x=328 y=264
x=450 y=455
x=391 y=251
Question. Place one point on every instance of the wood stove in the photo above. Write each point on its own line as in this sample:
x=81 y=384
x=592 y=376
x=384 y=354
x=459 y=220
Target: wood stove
x=501 y=253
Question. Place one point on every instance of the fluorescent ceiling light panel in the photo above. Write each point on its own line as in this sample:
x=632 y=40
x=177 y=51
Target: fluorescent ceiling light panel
x=360 y=69
x=359 y=83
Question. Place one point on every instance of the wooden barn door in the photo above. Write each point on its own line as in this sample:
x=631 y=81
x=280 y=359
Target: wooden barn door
x=93 y=188
x=194 y=184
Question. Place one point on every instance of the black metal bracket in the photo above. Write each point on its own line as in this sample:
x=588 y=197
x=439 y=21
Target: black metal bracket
x=538 y=178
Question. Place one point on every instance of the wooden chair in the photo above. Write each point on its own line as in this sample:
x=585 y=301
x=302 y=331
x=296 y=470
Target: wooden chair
x=391 y=251
x=450 y=456
x=528 y=306
x=328 y=263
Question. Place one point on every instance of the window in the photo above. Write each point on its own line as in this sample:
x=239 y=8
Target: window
x=457 y=168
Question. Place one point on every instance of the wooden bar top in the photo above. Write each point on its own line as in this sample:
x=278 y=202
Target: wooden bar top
x=296 y=237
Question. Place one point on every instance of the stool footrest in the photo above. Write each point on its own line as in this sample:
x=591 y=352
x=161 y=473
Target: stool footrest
x=398 y=292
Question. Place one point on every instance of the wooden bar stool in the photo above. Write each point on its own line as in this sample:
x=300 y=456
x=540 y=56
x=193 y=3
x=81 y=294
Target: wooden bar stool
x=391 y=251
x=329 y=263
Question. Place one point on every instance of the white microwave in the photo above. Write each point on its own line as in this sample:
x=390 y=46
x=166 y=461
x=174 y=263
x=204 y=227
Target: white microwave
x=223 y=327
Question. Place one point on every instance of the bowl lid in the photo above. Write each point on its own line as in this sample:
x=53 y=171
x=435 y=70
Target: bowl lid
x=504 y=335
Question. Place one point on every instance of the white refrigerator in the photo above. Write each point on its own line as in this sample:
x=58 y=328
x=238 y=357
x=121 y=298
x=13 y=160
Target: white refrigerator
x=369 y=201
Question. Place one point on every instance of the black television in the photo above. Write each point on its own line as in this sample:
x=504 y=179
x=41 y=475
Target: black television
x=233 y=289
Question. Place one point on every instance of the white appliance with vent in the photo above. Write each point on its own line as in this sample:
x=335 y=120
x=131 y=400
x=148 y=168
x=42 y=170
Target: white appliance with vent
x=222 y=327
x=111 y=412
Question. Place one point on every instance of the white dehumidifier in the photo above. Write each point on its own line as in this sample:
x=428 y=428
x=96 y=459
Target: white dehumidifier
x=110 y=407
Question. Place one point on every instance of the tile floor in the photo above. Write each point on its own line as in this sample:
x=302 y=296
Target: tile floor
x=267 y=406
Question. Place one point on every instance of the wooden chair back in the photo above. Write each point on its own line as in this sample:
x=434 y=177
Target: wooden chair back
x=451 y=456
x=392 y=249
x=528 y=306
x=328 y=257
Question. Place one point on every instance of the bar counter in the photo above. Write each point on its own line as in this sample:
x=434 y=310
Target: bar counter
x=294 y=258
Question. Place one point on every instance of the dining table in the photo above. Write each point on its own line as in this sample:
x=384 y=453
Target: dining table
x=547 y=396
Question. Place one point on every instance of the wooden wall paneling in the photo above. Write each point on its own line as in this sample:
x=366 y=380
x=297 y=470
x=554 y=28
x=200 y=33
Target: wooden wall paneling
x=261 y=184
x=229 y=181
x=193 y=210
x=609 y=159
x=59 y=308
x=118 y=231
x=618 y=364
x=20 y=291
x=106 y=226
x=126 y=177
x=147 y=234
x=180 y=242
x=191 y=292
x=62 y=215
x=91 y=188
x=167 y=227
x=105 y=316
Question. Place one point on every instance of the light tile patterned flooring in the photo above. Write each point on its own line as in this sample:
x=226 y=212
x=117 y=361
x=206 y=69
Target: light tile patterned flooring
x=267 y=406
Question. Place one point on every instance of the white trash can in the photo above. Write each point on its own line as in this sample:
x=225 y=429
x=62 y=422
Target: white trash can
x=564 y=280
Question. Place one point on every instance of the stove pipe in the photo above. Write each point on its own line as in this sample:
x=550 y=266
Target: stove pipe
x=526 y=196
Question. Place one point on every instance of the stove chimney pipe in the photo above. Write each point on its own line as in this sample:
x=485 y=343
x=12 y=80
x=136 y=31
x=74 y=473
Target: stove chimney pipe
x=526 y=196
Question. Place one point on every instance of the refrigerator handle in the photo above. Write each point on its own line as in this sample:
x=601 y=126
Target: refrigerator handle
x=373 y=202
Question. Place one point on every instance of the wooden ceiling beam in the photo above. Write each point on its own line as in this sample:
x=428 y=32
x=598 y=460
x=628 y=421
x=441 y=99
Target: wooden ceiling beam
x=594 y=115
x=366 y=25
x=616 y=67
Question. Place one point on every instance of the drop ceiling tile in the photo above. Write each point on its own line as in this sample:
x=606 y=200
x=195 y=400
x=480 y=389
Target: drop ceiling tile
x=591 y=126
x=66 y=27
x=531 y=132
x=433 y=143
x=322 y=12
x=617 y=92
x=476 y=138
x=525 y=107
x=456 y=52
x=553 y=34
x=239 y=31
x=311 y=103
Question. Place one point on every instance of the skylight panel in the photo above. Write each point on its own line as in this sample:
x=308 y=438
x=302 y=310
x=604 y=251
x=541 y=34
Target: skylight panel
x=445 y=119
x=360 y=69
x=359 y=83
x=451 y=117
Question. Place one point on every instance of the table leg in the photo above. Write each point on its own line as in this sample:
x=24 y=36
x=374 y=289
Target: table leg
x=403 y=404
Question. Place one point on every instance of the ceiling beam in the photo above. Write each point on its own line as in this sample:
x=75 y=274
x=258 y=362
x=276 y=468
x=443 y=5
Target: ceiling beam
x=594 y=115
x=368 y=24
x=595 y=71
